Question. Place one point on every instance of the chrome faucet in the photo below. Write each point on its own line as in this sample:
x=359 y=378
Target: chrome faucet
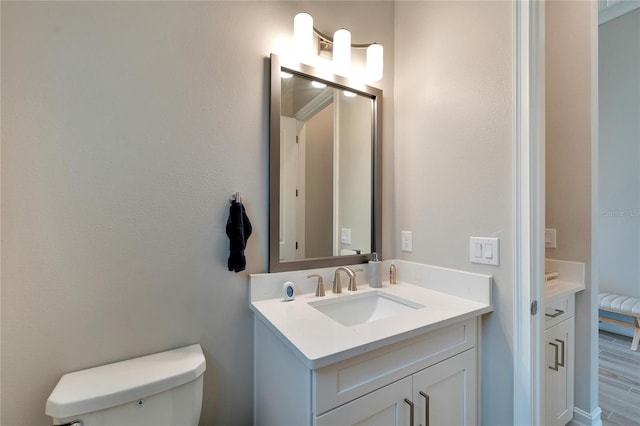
x=337 y=285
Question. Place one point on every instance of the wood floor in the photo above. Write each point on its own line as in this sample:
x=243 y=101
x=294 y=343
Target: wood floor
x=619 y=381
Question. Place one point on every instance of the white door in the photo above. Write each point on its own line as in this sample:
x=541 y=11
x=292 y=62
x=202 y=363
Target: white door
x=384 y=407
x=289 y=159
x=445 y=393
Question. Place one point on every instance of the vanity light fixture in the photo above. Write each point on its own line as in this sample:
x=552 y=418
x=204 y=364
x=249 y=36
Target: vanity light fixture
x=375 y=61
x=318 y=85
x=342 y=50
x=303 y=36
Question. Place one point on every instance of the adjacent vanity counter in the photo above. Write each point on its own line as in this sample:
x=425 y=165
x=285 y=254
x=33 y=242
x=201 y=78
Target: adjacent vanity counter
x=557 y=289
x=438 y=296
x=567 y=279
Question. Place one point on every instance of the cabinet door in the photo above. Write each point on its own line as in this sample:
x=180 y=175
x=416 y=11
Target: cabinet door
x=445 y=393
x=384 y=407
x=559 y=373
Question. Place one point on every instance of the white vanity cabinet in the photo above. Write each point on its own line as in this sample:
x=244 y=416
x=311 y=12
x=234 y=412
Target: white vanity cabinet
x=386 y=367
x=443 y=394
x=434 y=371
x=559 y=357
x=385 y=406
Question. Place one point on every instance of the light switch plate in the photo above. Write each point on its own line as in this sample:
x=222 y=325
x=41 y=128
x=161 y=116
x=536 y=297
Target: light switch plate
x=407 y=241
x=345 y=236
x=484 y=250
x=550 y=238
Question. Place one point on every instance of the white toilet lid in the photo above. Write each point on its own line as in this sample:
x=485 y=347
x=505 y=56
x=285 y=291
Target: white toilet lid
x=121 y=382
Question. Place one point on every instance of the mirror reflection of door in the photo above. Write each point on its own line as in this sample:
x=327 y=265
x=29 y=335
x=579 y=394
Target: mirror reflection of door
x=318 y=230
x=289 y=158
x=354 y=173
x=326 y=171
x=306 y=161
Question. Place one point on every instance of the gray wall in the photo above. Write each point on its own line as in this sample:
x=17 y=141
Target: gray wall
x=619 y=155
x=453 y=159
x=126 y=126
x=571 y=67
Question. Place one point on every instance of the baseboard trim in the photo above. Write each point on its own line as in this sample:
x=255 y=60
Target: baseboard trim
x=582 y=418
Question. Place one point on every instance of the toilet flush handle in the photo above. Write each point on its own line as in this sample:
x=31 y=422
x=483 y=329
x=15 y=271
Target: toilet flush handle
x=74 y=423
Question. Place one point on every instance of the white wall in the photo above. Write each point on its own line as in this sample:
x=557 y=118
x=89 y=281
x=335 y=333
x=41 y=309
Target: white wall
x=453 y=158
x=619 y=155
x=126 y=127
x=571 y=70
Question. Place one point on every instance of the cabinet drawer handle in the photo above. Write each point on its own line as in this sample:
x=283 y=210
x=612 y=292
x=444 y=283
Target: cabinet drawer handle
x=555 y=314
x=561 y=363
x=555 y=361
x=410 y=411
x=426 y=408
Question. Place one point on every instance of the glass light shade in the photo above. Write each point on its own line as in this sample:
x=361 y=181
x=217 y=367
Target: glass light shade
x=375 y=62
x=303 y=35
x=342 y=50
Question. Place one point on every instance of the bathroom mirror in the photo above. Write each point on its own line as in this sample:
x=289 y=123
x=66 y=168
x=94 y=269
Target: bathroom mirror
x=325 y=169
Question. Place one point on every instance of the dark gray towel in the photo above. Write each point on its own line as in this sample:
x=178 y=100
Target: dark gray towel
x=238 y=230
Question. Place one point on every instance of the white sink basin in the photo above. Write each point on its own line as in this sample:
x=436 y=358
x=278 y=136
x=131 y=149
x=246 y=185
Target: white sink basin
x=362 y=308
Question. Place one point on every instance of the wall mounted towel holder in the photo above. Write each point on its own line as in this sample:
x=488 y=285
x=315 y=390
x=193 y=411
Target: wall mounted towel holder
x=237 y=197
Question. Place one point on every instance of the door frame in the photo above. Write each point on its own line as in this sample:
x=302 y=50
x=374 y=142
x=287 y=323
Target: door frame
x=529 y=207
x=529 y=217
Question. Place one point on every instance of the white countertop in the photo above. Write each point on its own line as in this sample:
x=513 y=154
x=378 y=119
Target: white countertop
x=318 y=340
x=569 y=278
x=556 y=289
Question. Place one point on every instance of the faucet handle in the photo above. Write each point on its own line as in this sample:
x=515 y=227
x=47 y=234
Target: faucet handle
x=353 y=284
x=337 y=285
x=319 y=285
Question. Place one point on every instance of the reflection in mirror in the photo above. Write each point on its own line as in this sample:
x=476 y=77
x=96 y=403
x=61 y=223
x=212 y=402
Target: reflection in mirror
x=325 y=204
x=325 y=170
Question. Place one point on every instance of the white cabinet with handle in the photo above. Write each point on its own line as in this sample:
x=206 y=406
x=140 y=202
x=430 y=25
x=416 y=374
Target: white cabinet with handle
x=429 y=380
x=415 y=366
x=559 y=359
x=443 y=394
x=386 y=406
x=564 y=281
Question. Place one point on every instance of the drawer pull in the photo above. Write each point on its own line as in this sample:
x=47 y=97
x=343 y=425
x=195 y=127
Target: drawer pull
x=426 y=408
x=411 y=409
x=555 y=361
x=561 y=363
x=557 y=312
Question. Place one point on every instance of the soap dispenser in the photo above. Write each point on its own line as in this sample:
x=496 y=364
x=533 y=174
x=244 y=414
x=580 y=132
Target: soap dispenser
x=375 y=271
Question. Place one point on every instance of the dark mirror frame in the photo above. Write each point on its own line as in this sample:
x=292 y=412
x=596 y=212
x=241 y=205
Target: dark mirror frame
x=275 y=265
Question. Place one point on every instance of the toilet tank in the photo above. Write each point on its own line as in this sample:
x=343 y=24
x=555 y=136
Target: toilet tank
x=163 y=389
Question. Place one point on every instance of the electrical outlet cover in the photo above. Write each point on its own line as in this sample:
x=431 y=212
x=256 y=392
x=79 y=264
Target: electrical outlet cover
x=407 y=241
x=345 y=236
